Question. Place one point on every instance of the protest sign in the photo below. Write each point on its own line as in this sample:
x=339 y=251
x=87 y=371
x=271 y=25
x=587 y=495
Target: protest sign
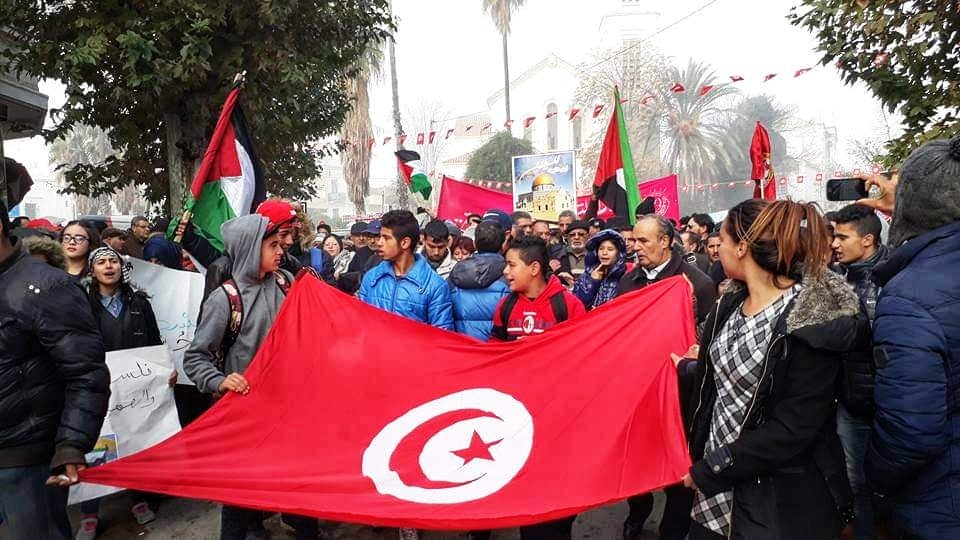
x=176 y=297
x=141 y=412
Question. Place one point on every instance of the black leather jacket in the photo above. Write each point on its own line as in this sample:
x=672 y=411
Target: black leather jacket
x=859 y=371
x=54 y=383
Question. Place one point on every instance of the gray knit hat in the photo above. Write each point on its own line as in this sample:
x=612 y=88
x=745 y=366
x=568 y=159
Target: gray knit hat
x=928 y=196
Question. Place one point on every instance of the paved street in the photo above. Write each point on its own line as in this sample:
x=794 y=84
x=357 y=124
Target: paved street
x=186 y=519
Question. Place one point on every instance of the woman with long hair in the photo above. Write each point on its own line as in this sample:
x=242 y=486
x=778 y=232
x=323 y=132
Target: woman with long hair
x=78 y=239
x=126 y=321
x=761 y=425
x=606 y=262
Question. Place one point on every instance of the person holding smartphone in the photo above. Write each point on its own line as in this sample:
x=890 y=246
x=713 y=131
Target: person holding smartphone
x=605 y=265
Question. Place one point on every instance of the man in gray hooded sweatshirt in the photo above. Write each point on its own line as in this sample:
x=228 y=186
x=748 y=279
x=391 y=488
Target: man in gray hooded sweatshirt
x=255 y=250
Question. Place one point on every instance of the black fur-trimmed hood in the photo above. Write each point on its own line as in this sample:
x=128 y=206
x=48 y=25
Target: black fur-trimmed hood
x=826 y=313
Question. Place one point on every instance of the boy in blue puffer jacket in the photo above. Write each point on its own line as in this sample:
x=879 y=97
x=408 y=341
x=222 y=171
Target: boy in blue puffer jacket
x=477 y=285
x=404 y=283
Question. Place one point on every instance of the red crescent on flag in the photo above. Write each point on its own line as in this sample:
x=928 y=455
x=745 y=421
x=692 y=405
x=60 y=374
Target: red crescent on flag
x=406 y=455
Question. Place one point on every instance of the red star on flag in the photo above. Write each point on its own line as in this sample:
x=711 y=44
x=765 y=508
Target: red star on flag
x=478 y=449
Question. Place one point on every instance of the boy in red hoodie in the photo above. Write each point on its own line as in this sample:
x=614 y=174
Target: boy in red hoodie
x=535 y=304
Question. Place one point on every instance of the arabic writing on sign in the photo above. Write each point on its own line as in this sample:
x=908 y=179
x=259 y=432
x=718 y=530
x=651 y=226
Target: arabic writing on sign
x=141 y=399
x=142 y=370
x=184 y=324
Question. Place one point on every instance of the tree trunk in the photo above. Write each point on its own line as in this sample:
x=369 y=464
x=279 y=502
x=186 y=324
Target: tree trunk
x=402 y=190
x=177 y=169
x=506 y=78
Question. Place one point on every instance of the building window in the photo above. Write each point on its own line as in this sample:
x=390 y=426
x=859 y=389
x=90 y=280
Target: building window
x=552 y=126
x=577 y=126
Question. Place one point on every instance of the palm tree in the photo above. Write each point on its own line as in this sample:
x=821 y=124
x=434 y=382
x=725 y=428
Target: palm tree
x=693 y=125
x=83 y=145
x=357 y=129
x=501 y=12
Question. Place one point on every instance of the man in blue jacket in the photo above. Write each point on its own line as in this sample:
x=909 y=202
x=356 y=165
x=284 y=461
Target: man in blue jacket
x=404 y=283
x=476 y=283
x=913 y=456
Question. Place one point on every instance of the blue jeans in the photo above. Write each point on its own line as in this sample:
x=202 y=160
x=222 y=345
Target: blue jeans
x=854 y=434
x=30 y=508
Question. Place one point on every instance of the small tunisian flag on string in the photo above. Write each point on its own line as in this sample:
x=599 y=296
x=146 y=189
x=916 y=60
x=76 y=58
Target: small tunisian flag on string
x=229 y=182
x=413 y=172
x=461 y=435
x=763 y=174
x=616 y=180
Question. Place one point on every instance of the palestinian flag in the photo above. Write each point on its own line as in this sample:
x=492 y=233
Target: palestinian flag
x=413 y=174
x=616 y=181
x=229 y=182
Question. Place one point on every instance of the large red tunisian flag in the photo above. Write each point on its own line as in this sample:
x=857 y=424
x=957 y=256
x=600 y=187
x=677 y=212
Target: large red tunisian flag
x=391 y=422
x=763 y=174
x=459 y=199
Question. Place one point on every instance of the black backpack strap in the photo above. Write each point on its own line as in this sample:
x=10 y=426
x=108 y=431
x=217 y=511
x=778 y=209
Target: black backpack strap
x=500 y=331
x=234 y=322
x=559 y=306
x=283 y=282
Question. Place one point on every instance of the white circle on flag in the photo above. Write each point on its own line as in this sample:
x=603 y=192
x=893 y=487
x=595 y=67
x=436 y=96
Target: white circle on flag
x=507 y=437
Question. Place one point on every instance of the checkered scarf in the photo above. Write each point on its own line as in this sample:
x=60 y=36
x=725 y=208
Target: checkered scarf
x=106 y=251
x=737 y=355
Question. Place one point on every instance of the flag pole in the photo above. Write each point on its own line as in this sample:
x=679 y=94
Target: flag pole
x=238 y=80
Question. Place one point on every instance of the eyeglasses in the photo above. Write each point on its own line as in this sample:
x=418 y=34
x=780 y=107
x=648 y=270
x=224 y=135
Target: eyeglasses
x=69 y=238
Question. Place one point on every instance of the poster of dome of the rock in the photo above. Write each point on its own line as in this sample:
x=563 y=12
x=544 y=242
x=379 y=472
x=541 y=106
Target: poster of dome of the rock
x=543 y=184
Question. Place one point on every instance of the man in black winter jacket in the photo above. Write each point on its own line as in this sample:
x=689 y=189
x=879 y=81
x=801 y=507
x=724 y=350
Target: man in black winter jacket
x=856 y=243
x=658 y=260
x=54 y=389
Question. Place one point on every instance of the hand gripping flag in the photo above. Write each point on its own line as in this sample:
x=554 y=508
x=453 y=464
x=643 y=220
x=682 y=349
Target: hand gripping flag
x=229 y=182
x=616 y=180
x=413 y=173
x=408 y=425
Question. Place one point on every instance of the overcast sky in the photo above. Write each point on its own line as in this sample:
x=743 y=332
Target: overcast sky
x=449 y=51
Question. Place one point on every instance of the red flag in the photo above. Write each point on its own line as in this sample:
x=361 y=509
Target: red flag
x=419 y=138
x=386 y=140
x=470 y=127
x=597 y=109
x=678 y=88
x=485 y=127
x=370 y=142
x=706 y=89
x=449 y=133
x=801 y=72
x=528 y=120
x=432 y=135
x=769 y=76
x=550 y=115
x=646 y=99
x=507 y=124
x=463 y=435
x=666 y=200
x=763 y=175
x=459 y=199
x=736 y=78
x=573 y=114
x=401 y=138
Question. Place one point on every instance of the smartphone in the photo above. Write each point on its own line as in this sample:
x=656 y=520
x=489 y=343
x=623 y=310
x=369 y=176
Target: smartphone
x=846 y=189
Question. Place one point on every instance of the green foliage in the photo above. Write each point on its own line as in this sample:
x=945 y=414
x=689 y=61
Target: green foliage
x=130 y=65
x=905 y=52
x=492 y=161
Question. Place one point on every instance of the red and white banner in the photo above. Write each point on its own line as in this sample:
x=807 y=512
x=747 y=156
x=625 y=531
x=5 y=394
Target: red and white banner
x=458 y=435
x=664 y=191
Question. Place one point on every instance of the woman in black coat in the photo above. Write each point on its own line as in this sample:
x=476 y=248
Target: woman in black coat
x=126 y=321
x=761 y=424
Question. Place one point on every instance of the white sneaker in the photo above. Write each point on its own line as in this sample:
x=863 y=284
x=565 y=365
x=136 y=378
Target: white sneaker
x=88 y=529
x=143 y=513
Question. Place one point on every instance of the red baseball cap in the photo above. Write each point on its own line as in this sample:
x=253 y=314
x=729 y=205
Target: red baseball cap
x=278 y=212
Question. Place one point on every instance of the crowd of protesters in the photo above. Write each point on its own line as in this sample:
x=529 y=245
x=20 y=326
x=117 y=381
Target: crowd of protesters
x=822 y=400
